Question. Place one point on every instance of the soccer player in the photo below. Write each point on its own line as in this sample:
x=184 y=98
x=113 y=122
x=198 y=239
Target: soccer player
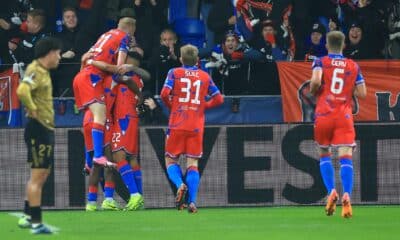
x=126 y=135
x=112 y=48
x=35 y=93
x=334 y=81
x=184 y=93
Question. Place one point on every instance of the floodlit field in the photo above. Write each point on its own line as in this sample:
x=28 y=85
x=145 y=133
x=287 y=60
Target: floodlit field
x=294 y=223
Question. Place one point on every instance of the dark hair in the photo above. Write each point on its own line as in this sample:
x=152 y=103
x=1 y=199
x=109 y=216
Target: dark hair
x=39 y=15
x=46 y=45
x=135 y=55
x=69 y=9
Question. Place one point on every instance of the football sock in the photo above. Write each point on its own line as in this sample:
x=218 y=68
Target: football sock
x=127 y=176
x=88 y=159
x=98 y=139
x=92 y=194
x=327 y=172
x=175 y=174
x=137 y=173
x=27 y=209
x=346 y=173
x=109 y=188
x=36 y=214
x=193 y=181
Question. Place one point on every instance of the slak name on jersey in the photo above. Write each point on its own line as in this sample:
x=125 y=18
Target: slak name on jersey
x=338 y=63
x=192 y=74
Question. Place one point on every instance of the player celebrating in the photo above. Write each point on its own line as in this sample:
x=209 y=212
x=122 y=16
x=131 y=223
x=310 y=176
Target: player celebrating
x=88 y=84
x=334 y=81
x=184 y=93
x=35 y=93
x=125 y=136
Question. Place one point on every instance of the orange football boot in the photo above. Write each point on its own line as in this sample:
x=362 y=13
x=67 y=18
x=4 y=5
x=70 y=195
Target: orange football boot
x=331 y=202
x=347 y=211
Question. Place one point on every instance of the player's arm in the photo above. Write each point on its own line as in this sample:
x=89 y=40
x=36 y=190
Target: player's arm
x=103 y=66
x=167 y=89
x=316 y=76
x=216 y=96
x=123 y=50
x=361 y=89
x=145 y=75
x=24 y=94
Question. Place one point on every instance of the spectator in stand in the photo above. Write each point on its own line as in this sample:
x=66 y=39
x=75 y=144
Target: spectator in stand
x=394 y=30
x=356 y=47
x=69 y=66
x=164 y=57
x=221 y=19
x=23 y=47
x=315 y=44
x=230 y=71
x=151 y=112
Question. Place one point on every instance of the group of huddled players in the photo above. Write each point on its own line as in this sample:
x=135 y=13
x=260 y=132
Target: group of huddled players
x=108 y=89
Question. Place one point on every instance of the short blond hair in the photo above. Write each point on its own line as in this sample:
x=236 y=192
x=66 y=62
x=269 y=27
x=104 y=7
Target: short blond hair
x=335 y=41
x=189 y=55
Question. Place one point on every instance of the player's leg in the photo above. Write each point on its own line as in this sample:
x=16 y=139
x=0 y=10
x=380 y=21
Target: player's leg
x=193 y=182
x=174 y=147
x=40 y=143
x=346 y=175
x=126 y=172
x=137 y=173
x=99 y=118
x=109 y=186
x=194 y=151
x=323 y=132
x=344 y=138
x=94 y=179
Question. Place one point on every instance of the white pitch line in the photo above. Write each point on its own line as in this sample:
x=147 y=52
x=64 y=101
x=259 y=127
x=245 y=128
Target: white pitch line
x=19 y=215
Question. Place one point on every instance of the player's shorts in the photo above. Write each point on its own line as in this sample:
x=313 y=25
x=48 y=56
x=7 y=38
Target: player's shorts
x=40 y=143
x=127 y=140
x=84 y=91
x=108 y=133
x=335 y=131
x=180 y=142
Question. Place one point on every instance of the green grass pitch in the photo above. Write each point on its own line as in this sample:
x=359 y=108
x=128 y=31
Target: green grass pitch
x=294 y=223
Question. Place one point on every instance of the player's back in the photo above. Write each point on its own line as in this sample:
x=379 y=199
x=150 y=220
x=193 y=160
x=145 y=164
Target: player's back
x=339 y=78
x=107 y=47
x=190 y=88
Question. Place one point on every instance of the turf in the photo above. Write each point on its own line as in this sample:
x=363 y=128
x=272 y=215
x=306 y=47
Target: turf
x=369 y=222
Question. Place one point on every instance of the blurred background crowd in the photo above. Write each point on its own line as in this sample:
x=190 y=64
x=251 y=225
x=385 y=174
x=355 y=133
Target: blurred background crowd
x=239 y=40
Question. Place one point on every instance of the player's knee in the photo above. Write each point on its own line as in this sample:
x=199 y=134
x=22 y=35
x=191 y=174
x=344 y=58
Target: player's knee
x=169 y=161
x=192 y=162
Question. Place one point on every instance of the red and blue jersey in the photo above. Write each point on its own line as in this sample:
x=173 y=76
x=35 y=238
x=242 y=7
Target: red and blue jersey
x=106 y=49
x=126 y=100
x=339 y=78
x=185 y=91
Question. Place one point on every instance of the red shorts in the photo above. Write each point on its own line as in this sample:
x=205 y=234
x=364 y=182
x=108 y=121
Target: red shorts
x=84 y=91
x=126 y=140
x=183 y=142
x=334 y=131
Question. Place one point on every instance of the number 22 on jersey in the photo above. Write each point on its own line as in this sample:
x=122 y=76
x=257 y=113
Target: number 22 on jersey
x=188 y=93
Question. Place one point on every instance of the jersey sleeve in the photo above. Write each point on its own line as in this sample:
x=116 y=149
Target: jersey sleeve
x=360 y=77
x=317 y=64
x=124 y=45
x=31 y=78
x=212 y=88
x=169 y=81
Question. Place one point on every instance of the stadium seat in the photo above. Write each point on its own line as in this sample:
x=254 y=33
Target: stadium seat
x=191 y=30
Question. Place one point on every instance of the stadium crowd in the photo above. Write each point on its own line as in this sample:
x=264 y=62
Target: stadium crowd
x=243 y=39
